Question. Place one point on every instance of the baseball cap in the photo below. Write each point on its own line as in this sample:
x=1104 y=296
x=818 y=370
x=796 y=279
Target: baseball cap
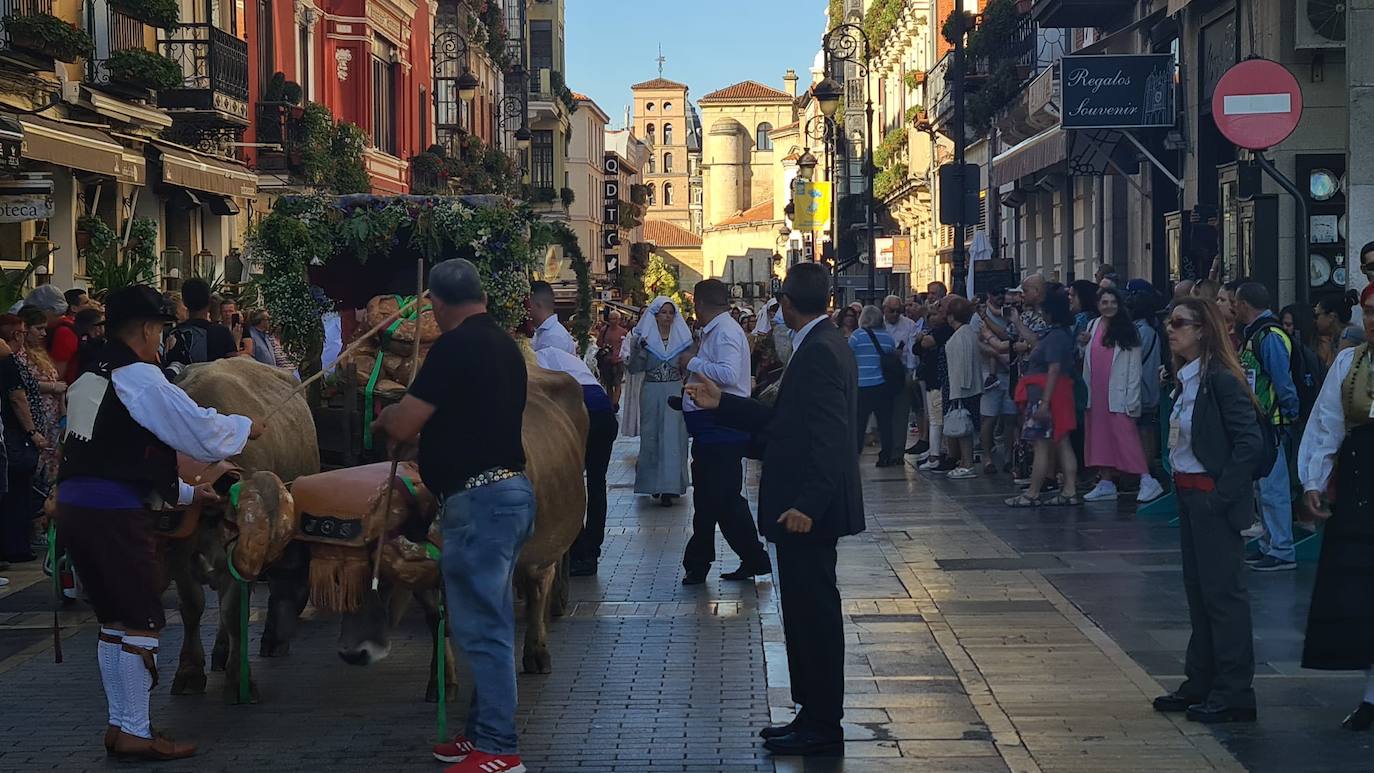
x=139 y=302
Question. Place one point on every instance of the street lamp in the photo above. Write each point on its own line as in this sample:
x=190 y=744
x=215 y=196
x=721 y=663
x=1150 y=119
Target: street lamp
x=522 y=138
x=848 y=43
x=806 y=166
x=467 y=85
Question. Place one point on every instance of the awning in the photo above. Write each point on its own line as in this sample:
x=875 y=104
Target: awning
x=196 y=171
x=223 y=206
x=77 y=146
x=1042 y=151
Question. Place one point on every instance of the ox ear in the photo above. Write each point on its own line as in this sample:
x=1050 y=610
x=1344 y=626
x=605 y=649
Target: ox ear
x=266 y=517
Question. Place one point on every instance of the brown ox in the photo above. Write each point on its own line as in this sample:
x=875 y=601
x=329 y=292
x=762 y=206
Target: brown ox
x=287 y=450
x=554 y=435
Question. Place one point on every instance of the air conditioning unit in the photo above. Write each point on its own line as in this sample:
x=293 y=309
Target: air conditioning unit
x=1320 y=24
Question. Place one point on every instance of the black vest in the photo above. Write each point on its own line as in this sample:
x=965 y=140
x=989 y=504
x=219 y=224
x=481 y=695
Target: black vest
x=118 y=448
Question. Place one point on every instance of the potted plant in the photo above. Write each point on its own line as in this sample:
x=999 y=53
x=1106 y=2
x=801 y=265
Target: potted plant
x=47 y=35
x=163 y=14
x=568 y=196
x=141 y=68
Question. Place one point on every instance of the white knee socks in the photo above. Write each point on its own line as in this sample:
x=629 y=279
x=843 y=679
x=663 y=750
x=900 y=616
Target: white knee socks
x=1369 y=685
x=137 y=684
x=107 y=652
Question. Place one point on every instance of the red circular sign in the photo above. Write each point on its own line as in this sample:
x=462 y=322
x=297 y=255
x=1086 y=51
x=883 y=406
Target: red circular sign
x=1257 y=104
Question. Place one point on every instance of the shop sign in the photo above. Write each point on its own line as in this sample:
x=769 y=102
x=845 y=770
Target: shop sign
x=17 y=209
x=886 y=249
x=10 y=152
x=812 y=211
x=610 y=225
x=901 y=254
x=1117 y=92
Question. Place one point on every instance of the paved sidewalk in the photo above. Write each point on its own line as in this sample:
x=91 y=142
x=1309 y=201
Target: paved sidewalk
x=968 y=650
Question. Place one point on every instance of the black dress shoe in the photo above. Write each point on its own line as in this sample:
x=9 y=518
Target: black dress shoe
x=745 y=573
x=806 y=743
x=694 y=577
x=1174 y=703
x=1361 y=718
x=666 y=500
x=583 y=567
x=777 y=731
x=1213 y=713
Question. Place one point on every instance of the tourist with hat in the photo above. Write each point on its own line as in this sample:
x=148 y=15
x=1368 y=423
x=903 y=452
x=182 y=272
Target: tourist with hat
x=126 y=424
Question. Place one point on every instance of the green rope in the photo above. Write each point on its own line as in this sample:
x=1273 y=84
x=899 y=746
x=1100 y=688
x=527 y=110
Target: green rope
x=440 y=642
x=369 y=392
x=52 y=558
x=243 y=620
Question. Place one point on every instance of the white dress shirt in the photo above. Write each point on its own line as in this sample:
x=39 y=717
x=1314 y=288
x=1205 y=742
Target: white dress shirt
x=1181 y=456
x=1326 y=427
x=164 y=409
x=723 y=358
x=551 y=333
x=903 y=335
x=801 y=334
x=562 y=362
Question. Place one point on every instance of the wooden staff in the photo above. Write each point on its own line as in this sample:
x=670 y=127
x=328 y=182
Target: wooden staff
x=350 y=349
x=395 y=463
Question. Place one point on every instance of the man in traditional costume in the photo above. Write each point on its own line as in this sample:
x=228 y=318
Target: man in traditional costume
x=125 y=425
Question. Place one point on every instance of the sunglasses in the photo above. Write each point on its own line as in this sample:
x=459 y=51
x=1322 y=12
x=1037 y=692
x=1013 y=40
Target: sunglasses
x=1179 y=324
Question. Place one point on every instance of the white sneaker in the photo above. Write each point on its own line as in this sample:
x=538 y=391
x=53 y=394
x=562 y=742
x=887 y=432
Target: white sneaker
x=1150 y=490
x=4 y=581
x=931 y=464
x=1104 y=491
x=1256 y=530
x=962 y=473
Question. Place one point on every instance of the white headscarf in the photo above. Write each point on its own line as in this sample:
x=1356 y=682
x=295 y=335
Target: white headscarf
x=678 y=339
x=771 y=315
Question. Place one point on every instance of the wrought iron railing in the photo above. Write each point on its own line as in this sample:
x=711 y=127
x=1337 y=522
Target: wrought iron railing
x=21 y=8
x=211 y=60
x=279 y=126
x=113 y=31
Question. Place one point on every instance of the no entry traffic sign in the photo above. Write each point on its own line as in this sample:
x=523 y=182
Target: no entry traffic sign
x=1257 y=104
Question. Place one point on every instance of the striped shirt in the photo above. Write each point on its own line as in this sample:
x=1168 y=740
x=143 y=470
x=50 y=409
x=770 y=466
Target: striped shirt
x=870 y=365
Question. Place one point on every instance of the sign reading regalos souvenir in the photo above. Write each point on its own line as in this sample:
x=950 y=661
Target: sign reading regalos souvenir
x=17 y=209
x=1117 y=92
x=812 y=210
x=610 y=217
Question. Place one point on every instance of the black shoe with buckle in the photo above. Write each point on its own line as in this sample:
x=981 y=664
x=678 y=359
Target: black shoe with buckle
x=1361 y=719
x=1175 y=703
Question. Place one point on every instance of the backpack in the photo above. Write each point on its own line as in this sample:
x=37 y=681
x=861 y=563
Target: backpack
x=894 y=372
x=1303 y=366
x=192 y=344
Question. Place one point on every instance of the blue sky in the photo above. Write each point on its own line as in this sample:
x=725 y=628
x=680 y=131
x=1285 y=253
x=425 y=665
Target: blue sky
x=708 y=44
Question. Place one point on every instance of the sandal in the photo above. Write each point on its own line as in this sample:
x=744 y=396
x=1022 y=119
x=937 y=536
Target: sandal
x=1059 y=500
x=1023 y=501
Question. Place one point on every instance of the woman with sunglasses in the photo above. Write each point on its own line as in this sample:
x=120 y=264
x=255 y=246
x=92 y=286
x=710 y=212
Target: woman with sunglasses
x=1340 y=432
x=1214 y=447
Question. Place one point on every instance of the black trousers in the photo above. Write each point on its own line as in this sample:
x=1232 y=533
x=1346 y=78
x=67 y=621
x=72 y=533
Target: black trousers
x=717 y=481
x=813 y=625
x=880 y=400
x=1221 y=652
x=600 y=439
x=17 y=512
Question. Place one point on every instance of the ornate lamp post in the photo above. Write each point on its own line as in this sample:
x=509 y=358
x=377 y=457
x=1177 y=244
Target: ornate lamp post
x=512 y=107
x=450 y=51
x=848 y=43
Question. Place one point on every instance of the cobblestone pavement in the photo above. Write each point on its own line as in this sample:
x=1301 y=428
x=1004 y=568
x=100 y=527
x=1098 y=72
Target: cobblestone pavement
x=978 y=640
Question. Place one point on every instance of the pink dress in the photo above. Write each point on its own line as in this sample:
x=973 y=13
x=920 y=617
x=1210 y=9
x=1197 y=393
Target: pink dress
x=1110 y=439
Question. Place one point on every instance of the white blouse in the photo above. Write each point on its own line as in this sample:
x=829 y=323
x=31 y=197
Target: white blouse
x=1181 y=456
x=1326 y=427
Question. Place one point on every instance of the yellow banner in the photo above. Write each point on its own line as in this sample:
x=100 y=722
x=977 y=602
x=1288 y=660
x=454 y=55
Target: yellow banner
x=812 y=207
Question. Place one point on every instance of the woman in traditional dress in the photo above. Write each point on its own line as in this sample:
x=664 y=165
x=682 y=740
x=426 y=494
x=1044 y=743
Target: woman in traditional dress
x=1111 y=369
x=1340 y=432
x=656 y=342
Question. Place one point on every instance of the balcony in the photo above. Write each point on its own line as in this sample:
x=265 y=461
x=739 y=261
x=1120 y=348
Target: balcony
x=550 y=97
x=1080 y=13
x=27 y=47
x=214 y=68
x=279 y=125
x=115 y=34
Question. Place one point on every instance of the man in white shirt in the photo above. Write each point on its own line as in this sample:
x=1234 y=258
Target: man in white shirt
x=549 y=331
x=718 y=451
x=903 y=331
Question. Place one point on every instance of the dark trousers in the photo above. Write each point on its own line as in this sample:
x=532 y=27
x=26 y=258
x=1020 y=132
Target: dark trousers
x=17 y=512
x=717 y=481
x=880 y=400
x=600 y=439
x=1221 y=652
x=814 y=628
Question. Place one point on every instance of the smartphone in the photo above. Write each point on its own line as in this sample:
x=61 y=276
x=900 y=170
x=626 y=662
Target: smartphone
x=237 y=319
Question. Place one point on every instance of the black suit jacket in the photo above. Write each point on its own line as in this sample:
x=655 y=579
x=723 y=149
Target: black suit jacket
x=806 y=440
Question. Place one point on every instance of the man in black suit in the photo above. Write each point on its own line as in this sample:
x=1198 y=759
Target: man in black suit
x=809 y=497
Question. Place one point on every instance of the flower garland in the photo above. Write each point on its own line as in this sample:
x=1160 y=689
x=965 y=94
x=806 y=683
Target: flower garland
x=494 y=232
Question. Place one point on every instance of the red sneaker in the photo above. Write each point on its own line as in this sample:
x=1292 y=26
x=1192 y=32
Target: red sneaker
x=481 y=762
x=455 y=751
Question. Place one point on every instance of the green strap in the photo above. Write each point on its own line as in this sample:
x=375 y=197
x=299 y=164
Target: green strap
x=243 y=624
x=234 y=492
x=369 y=392
x=52 y=561
x=440 y=638
x=410 y=486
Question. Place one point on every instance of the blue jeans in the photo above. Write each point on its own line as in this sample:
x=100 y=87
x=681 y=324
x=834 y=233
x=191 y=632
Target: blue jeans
x=1276 y=506
x=484 y=529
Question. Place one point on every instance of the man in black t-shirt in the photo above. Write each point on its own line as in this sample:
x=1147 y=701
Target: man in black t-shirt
x=197 y=339
x=467 y=406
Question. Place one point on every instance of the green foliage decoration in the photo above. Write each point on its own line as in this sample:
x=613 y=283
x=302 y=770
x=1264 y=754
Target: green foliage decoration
x=163 y=14
x=144 y=69
x=45 y=34
x=109 y=268
x=880 y=20
x=481 y=169
x=991 y=44
x=567 y=196
x=546 y=233
x=332 y=153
